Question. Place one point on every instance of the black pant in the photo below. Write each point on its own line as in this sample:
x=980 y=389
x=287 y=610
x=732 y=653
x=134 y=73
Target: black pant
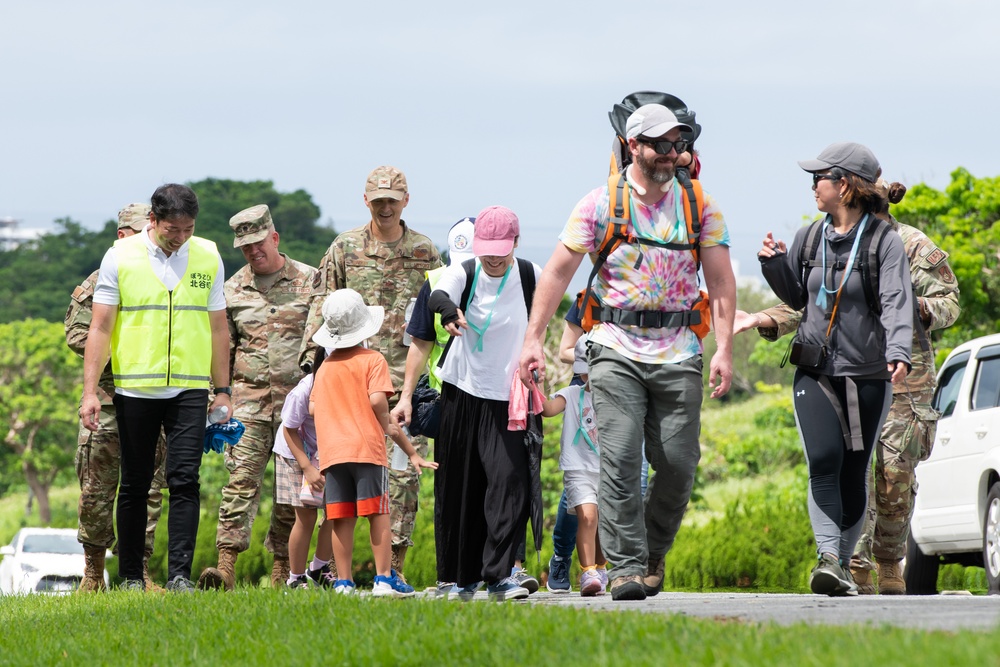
x=139 y=420
x=480 y=489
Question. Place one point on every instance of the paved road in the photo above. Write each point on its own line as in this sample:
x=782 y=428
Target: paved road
x=937 y=612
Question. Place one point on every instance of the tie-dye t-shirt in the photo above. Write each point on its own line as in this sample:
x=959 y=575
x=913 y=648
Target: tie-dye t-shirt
x=664 y=280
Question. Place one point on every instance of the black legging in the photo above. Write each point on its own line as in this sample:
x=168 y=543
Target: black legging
x=837 y=475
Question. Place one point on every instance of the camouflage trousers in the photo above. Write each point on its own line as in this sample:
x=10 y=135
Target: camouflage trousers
x=247 y=463
x=404 y=495
x=907 y=438
x=98 y=462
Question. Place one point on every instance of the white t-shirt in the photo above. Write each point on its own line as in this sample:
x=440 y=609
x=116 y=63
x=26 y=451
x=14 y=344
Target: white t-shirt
x=486 y=372
x=578 y=455
x=295 y=415
x=169 y=270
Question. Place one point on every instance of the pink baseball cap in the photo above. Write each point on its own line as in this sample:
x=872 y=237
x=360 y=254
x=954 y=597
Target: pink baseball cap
x=496 y=229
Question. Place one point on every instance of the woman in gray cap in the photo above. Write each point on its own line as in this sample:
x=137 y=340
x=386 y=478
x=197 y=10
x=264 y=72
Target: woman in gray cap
x=850 y=274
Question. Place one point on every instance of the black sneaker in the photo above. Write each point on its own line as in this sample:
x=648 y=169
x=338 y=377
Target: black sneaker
x=322 y=577
x=299 y=582
x=133 y=585
x=524 y=580
x=180 y=584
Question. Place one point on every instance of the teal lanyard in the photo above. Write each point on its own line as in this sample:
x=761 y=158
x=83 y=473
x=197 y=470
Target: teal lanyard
x=680 y=224
x=824 y=291
x=579 y=427
x=478 y=347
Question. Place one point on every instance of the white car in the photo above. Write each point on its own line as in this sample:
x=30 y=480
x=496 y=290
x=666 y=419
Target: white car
x=956 y=517
x=42 y=560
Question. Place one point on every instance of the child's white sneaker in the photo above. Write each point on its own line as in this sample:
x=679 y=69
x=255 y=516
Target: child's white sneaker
x=590 y=583
x=392 y=586
x=345 y=586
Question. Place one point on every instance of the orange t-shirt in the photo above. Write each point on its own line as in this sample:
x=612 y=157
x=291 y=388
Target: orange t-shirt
x=347 y=430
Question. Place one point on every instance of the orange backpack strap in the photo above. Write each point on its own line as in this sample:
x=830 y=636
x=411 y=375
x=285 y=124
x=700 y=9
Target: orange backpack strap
x=619 y=214
x=692 y=212
x=616 y=232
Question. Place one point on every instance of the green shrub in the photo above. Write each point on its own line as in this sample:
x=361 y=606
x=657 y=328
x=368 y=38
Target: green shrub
x=763 y=540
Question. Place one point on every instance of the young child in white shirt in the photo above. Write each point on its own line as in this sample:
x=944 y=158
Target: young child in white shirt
x=580 y=462
x=299 y=483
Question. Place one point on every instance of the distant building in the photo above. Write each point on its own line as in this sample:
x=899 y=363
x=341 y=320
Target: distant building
x=13 y=235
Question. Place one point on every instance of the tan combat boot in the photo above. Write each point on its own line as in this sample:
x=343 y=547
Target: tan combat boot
x=151 y=586
x=93 y=570
x=223 y=576
x=399 y=559
x=863 y=578
x=279 y=571
x=890 y=577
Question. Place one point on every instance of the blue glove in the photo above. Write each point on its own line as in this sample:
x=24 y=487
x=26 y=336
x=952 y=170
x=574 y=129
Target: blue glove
x=217 y=436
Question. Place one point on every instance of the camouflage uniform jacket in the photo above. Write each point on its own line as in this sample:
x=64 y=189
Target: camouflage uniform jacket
x=384 y=276
x=265 y=332
x=936 y=289
x=77 y=325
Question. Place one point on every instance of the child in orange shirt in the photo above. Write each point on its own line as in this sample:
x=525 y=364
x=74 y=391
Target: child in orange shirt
x=349 y=401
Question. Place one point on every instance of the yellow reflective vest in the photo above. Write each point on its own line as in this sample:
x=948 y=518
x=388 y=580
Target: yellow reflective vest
x=433 y=276
x=163 y=338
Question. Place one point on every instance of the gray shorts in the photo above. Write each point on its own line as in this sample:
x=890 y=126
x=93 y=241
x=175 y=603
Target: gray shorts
x=356 y=489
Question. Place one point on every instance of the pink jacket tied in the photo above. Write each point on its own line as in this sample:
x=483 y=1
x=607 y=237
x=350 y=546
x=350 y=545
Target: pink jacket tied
x=517 y=408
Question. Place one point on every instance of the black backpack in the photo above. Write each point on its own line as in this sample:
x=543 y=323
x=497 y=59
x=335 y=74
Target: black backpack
x=866 y=262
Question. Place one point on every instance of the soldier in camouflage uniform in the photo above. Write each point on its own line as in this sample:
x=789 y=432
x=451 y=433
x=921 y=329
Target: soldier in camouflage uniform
x=385 y=261
x=908 y=433
x=267 y=302
x=97 y=453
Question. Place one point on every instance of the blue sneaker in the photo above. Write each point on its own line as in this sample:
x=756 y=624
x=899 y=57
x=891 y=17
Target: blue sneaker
x=445 y=589
x=558 y=575
x=465 y=593
x=392 y=586
x=506 y=589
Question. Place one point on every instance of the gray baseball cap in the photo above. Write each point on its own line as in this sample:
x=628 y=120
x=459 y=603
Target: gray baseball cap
x=652 y=120
x=847 y=155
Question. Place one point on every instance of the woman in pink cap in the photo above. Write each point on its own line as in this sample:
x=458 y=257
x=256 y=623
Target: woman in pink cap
x=481 y=488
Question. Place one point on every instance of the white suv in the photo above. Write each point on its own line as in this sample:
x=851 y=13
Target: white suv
x=956 y=517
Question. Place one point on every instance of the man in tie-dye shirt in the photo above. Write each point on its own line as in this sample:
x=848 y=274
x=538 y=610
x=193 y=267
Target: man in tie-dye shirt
x=645 y=381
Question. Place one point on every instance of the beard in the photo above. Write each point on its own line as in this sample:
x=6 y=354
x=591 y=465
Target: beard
x=653 y=172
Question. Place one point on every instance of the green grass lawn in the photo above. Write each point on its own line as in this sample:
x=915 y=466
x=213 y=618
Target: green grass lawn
x=264 y=627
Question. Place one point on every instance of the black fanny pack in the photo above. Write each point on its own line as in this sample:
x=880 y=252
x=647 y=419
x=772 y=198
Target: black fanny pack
x=807 y=355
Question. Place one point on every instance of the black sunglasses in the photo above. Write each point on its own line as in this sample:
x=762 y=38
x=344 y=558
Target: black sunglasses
x=663 y=147
x=819 y=177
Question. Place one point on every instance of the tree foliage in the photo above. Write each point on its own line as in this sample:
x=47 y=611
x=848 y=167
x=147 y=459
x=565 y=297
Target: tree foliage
x=962 y=221
x=40 y=386
x=37 y=278
x=294 y=213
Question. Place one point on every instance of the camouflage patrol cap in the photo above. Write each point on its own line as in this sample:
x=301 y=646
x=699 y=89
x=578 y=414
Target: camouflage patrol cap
x=386 y=183
x=251 y=225
x=134 y=216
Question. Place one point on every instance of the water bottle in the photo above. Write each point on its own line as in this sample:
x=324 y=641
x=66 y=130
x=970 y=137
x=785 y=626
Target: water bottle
x=399 y=458
x=217 y=416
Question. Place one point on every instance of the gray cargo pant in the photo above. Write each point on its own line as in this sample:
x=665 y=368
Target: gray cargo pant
x=663 y=403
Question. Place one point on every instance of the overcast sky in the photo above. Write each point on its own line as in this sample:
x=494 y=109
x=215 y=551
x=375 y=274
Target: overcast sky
x=481 y=103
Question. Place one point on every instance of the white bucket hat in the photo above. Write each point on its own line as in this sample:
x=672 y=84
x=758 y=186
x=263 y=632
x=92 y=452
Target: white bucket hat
x=347 y=320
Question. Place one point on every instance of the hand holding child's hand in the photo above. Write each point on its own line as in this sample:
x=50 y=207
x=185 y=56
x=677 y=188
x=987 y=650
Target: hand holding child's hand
x=420 y=462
